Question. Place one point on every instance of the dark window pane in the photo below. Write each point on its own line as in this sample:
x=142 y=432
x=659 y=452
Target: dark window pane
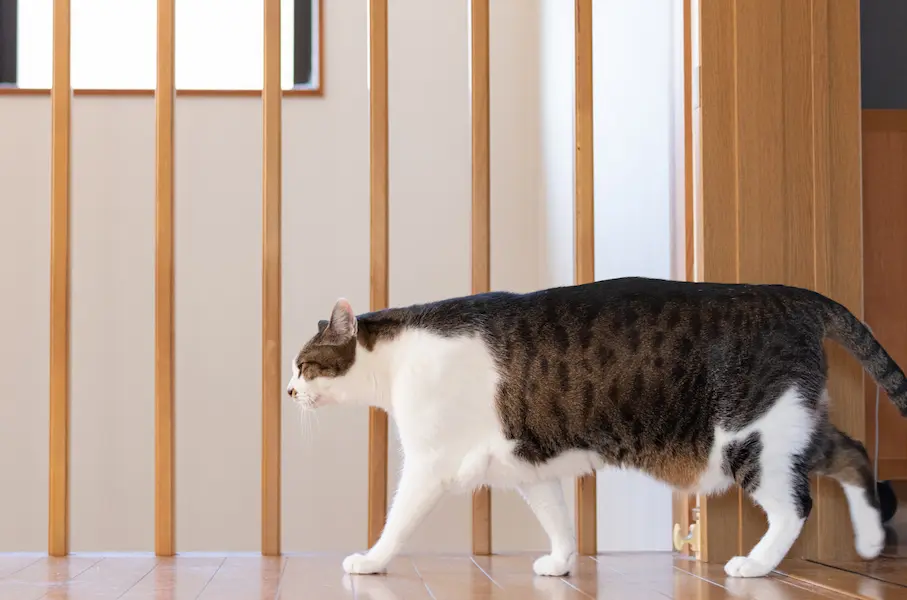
x=8 y=41
x=302 y=42
x=883 y=38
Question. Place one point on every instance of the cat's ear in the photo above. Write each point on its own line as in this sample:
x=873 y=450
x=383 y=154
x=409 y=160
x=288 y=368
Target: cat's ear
x=322 y=325
x=343 y=320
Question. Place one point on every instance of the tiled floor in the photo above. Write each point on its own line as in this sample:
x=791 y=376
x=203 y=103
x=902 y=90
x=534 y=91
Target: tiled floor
x=618 y=577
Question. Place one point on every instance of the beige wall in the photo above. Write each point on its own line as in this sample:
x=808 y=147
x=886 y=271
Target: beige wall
x=24 y=325
x=112 y=324
x=218 y=283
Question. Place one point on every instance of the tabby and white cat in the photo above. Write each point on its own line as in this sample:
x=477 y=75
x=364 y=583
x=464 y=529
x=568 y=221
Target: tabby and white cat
x=699 y=385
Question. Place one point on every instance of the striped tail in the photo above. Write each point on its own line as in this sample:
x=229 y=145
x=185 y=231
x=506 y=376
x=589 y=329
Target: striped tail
x=843 y=327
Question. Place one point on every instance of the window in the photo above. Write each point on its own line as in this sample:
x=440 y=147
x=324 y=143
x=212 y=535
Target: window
x=114 y=44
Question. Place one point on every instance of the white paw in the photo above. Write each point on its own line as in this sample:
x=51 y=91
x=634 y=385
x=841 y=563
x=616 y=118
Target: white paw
x=870 y=543
x=552 y=566
x=743 y=566
x=361 y=564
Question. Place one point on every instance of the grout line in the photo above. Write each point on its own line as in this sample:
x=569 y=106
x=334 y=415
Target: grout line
x=472 y=558
x=74 y=577
x=210 y=579
x=422 y=579
x=844 y=570
x=586 y=594
x=283 y=568
x=139 y=580
x=20 y=569
x=701 y=578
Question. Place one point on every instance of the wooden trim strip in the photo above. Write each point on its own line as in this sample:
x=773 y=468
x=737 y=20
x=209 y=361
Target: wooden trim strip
x=378 y=264
x=586 y=527
x=293 y=93
x=111 y=92
x=884 y=120
x=481 y=216
x=164 y=439
x=271 y=340
x=10 y=90
x=689 y=224
x=60 y=177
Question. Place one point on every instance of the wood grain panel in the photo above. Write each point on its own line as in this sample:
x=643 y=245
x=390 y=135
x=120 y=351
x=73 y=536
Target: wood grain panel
x=844 y=262
x=270 y=269
x=481 y=215
x=885 y=273
x=164 y=438
x=60 y=176
x=761 y=164
x=378 y=263
x=719 y=515
x=584 y=227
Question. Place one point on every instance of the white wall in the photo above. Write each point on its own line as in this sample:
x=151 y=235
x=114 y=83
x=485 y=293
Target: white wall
x=634 y=87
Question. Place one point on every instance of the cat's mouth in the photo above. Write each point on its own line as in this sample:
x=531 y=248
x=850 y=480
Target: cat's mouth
x=309 y=402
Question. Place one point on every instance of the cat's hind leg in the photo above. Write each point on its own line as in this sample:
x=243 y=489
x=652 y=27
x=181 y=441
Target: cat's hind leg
x=546 y=499
x=845 y=459
x=765 y=463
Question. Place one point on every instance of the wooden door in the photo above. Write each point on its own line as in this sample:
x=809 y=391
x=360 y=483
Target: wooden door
x=780 y=202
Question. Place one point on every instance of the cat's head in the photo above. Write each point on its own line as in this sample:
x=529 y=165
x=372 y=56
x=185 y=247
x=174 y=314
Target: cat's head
x=325 y=370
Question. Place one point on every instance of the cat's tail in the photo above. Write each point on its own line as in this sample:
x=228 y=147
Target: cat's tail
x=843 y=327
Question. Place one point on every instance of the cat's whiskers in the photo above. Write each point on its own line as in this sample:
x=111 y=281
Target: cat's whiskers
x=308 y=422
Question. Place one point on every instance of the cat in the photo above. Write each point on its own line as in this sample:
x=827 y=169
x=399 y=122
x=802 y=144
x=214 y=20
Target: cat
x=699 y=385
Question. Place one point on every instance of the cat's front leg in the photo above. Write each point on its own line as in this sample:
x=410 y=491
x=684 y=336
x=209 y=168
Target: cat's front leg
x=546 y=499
x=419 y=490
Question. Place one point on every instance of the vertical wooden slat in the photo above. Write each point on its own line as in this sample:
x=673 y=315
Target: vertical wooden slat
x=843 y=239
x=378 y=293
x=584 y=224
x=481 y=216
x=681 y=505
x=270 y=319
x=163 y=298
x=60 y=100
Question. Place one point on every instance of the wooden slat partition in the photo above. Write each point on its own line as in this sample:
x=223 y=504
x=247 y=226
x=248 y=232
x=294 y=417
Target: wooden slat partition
x=378 y=263
x=586 y=528
x=60 y=176
x=270 y=269
x=164 y=532
x=481 y=215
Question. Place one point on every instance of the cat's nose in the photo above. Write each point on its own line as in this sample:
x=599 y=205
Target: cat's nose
x=291 y=392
